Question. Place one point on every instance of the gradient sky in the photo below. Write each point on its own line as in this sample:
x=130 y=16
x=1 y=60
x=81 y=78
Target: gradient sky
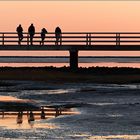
x=71 y=16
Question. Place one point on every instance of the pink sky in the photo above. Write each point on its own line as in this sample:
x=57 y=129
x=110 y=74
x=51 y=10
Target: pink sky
x=71 y=16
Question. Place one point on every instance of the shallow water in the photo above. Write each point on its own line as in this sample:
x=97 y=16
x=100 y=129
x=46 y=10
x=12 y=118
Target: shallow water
x=107 y=111
x=42 y=61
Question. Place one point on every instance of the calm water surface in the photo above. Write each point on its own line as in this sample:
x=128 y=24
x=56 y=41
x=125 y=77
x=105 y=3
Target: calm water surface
x=41 y=61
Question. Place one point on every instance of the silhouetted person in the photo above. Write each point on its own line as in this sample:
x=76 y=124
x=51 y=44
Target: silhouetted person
x=20 y=33
x=58 y=35
x=43 y=35
x=31 y=31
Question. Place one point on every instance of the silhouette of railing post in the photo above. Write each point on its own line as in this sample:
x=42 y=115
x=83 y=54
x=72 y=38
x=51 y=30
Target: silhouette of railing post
x=27 y=40
x=88 y=39
x=117 y=39
x=61 y=39
x=3 y=39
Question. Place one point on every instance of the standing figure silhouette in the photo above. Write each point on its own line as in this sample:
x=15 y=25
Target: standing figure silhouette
x=43 y=35
x=58 y=36
x=31 y=31
x=20 y=33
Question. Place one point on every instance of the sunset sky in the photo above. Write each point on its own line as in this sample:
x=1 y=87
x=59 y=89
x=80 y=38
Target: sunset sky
x=71 y=15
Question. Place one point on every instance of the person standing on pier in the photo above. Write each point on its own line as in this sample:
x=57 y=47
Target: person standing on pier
x=43 y=35
x=20 y=33
x=58 y=36
x=31 y=31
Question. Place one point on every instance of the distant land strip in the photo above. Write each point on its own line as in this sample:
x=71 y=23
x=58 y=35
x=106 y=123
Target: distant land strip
x=69 y=0
x=62 y=75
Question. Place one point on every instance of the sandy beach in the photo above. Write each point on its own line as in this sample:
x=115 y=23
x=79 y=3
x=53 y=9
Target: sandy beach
x=105 y=111
x=105 y=102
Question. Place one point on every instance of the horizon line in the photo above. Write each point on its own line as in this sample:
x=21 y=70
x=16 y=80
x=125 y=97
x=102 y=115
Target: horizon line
x=70 y=0
x=68 y=56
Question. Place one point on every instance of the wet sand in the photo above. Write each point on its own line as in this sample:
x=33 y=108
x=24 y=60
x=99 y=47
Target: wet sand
x=107 y=111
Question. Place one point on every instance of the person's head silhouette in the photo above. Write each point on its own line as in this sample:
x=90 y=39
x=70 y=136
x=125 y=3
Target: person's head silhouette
x=57 y=27
x=58 y=30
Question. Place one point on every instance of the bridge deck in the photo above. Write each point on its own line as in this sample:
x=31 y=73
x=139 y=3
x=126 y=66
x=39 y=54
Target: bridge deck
x=70 y=48
x=69 y=41
x=72 y=42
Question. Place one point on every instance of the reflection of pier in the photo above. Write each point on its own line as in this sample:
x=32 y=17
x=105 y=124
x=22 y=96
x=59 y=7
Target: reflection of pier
x=20 y=108
x=74 y=42
x=43 y=113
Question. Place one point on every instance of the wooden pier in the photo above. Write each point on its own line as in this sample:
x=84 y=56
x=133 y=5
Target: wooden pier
x=73 y=42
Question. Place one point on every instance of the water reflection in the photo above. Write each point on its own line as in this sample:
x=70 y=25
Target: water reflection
x=15 y=120
x=9 y=123
x=9 y=98
x=99 y=64
x=20 y=118
x=114 y=137
x=28 y=119
x=60 y=91
x=31 y=123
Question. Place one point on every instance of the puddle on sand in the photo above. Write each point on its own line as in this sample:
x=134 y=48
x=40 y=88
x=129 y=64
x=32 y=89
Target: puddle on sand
x=9 y=121
x=14 y=99
x=10 y=118
x=9 y=98
x=114 y=137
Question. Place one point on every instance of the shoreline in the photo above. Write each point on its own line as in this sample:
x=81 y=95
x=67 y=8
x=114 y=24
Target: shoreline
x=116 y=75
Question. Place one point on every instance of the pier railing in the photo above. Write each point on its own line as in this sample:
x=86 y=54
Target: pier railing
x=75 y=38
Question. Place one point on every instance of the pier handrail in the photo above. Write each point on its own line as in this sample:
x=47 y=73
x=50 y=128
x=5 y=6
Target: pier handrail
x=75 y=38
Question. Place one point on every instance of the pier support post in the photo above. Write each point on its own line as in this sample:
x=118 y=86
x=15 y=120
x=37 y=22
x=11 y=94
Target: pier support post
x=73 y=59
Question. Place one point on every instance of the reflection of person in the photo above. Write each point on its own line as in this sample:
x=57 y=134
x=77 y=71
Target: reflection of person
x=20 y=33
x=31 y=116
x=43 y=114
x=31 y=31
x=58 y=35
x=43 y=35
x=19 y=117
